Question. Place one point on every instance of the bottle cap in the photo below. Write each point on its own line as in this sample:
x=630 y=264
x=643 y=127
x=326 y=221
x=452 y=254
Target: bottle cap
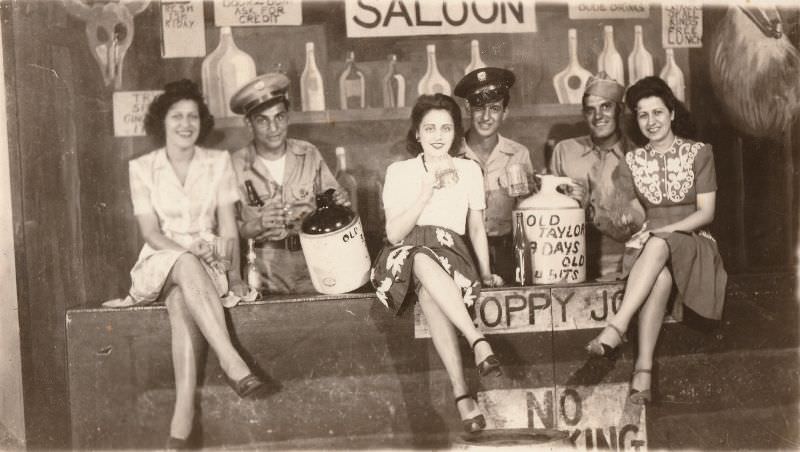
x=340 y=150
x=309 y=46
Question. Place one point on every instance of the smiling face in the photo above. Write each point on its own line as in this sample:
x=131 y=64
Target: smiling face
x=487 y=119
x=602 y=116
x=270 y=127
x=655 y=121
x=436 y=133
x=182 y=124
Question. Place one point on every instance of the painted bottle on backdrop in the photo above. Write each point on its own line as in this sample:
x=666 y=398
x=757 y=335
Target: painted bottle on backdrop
x=640 y=62
x=312 y=90
x=352 y=88
x=223 y=72
x=433 y=82
x=475 y=61
x=609 y=60
x=345 y=178
x=673 y=75
x=571 y=82
x=393 y=86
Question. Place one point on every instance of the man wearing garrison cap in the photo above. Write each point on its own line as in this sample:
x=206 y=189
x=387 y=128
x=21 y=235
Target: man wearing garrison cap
x=612 y=211
x=287 y=174
x=486 y=91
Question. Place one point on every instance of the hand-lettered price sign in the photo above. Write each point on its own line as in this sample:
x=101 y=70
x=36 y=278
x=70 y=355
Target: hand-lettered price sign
x=243 y=13
x=681 y=26
x=130 y=108
x=182 y=29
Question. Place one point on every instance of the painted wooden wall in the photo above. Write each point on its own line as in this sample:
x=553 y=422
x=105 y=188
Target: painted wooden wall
x=75 y=235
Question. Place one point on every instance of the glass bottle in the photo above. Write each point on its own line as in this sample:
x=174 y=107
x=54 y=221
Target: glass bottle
x=475 y=61
x=433 y=81
x=640 y=62
x=252 y=275
x=223 y=72
x=312 y=91
x=345 y=178
x=252 y=195
x=352 y=89
x=394 y=86
x=609 y=60
x=673 y=75
x=522 y=255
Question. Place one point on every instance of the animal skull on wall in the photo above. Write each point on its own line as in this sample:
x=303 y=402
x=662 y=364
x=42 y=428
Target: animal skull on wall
x=109 y=30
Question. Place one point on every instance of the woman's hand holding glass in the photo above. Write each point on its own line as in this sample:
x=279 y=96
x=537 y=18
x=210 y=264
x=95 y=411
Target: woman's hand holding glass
x=203 y=250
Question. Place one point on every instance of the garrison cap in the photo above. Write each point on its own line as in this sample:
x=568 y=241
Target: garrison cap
x=602 y=85
x=488 y=84
x=271 y=87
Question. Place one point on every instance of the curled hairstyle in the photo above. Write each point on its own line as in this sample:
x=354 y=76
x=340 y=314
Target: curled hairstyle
x=426 y=103
x=174 y=92
x=653 y=86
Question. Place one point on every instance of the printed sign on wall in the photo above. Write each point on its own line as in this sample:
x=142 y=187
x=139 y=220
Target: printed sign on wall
x=183 y=31
x=682 y=25
x=596 y=417
x=609 y=9
x=129 y=110
x=371 y=18
x=243 y=13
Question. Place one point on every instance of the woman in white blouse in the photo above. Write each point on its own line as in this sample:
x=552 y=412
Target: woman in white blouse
x=430 y=202
x=183 y=198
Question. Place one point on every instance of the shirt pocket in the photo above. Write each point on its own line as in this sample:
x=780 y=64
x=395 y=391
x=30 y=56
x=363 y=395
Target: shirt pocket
x=299 y=193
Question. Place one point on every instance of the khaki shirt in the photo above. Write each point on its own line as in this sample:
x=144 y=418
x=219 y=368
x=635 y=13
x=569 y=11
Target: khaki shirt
x=499 y=206
x=305 y=175
x=576 y=158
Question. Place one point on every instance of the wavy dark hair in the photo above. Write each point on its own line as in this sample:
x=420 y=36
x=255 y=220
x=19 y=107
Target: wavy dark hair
x=653 y=86
x=426 y=103
x=183 y=89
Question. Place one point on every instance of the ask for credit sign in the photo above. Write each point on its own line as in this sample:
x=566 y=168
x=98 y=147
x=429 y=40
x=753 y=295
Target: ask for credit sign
x=372 y=18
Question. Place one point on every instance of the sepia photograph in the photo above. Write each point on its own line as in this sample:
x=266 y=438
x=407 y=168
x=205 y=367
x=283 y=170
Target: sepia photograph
x=467 y=225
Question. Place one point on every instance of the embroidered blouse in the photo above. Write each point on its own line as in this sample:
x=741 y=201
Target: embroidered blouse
x=664 y=181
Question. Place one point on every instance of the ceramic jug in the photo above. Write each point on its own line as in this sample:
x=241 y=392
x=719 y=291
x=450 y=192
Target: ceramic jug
x=556 y=229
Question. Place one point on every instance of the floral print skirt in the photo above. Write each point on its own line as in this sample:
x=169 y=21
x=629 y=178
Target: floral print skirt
x=392 y=274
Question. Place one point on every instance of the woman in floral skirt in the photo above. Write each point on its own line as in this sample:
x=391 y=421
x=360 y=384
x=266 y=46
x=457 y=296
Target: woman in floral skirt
x=430 y=202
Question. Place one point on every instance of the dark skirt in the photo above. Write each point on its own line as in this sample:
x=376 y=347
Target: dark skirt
x=392 y=274
x=698 y=276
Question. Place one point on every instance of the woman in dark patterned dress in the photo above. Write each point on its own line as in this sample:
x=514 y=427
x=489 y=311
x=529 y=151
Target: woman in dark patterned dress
x=427 y=258
x=676 y=257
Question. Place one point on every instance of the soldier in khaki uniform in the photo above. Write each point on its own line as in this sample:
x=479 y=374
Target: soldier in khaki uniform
x=486 y=92
x=287 y=174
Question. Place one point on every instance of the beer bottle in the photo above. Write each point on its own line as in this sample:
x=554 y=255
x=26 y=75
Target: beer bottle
x=345 y=178
x=252 y=274
x=521 y=253
x=252 y=195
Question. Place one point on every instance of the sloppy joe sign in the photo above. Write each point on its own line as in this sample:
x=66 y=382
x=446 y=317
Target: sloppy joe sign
x=369 y=18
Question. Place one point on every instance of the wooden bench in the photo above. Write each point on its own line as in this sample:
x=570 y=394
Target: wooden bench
x=352 y=372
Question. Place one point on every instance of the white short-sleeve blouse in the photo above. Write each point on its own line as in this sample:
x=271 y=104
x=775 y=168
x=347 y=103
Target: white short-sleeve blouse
x=448 y=206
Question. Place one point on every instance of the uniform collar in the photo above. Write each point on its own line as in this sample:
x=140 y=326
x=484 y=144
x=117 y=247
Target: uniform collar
x=617 y=148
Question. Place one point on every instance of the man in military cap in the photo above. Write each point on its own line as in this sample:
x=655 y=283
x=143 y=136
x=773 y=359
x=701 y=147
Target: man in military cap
x=486 y=92
x=286 y=174
x=591 y=162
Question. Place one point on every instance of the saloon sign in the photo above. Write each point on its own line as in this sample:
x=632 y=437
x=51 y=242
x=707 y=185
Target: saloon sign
x=372 y=18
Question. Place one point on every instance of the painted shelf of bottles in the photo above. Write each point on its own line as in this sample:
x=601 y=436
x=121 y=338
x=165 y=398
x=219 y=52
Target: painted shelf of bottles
x=391 y=114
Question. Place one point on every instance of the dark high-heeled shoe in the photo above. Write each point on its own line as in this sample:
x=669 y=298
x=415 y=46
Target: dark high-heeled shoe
x=249 y=387
x=490 y=365
x=597 y=348
x=641 y=396
x=476 y=422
